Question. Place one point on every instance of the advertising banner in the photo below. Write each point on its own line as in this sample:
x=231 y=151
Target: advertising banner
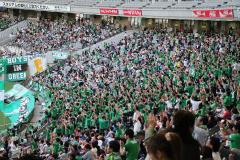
x=132 y=13
x=109 y=11
x=213 y=13
x=34 y=6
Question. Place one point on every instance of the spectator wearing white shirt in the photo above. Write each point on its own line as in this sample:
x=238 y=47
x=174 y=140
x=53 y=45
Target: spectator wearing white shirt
x=195 y=103
x=136 y=115
x=137 y=127
x=200 y=131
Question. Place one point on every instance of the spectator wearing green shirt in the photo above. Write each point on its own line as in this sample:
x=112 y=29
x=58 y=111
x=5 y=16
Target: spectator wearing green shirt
x=56 y=147
x=234 y=139
x=131 y=147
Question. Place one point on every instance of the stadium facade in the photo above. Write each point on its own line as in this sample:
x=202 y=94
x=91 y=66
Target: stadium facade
x=195 y=15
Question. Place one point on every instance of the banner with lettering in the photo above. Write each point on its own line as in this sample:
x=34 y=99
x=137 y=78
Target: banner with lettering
x=34 y=6
x=16 y=68
x=213 y=13
x=109 y=11
x=132 y=13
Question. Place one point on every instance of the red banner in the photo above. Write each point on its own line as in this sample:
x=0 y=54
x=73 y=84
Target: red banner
x=213 y=13
x=129 y=12
x=109 y=11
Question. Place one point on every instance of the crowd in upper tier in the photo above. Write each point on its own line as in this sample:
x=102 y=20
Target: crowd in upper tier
x=51 y=35
x=46 y=35
x=6 y=22
x=154 y=95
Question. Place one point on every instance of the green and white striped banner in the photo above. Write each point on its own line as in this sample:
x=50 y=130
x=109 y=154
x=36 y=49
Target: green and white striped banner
x=2 y=71
x=1 y=93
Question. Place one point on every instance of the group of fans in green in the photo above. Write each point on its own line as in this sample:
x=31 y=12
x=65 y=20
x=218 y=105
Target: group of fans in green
x=6 y=22
x=154 y=95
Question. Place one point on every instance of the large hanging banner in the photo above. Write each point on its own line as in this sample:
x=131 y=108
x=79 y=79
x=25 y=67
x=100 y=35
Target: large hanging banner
x=16 y=68
x=34 y=6
x=37 y=65
x=213 y=13
x=1 y=93
x=2 y=71
x=19 y=105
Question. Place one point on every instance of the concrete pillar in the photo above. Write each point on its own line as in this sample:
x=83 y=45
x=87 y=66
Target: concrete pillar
x=195 y=27
x=65 y=16
x=39 y=13
x=10 y=12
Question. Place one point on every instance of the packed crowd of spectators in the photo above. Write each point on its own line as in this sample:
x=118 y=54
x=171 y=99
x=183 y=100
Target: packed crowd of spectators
x=48 y=35
x=155 y=95
x=6 y=22
x=45 y=35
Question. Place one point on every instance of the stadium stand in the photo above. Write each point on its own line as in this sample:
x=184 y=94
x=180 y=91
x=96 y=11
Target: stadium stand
x=186 y=4
x=233 y=3
x=109 y=4
x=162 y=5
x=59 y=2
x=83 y=3
x=134 y=5
x=162 y=89
x=6 y=22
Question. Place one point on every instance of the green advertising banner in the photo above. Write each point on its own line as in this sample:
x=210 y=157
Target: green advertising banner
x=15 y=68
x=2 y=66
x=1 y=94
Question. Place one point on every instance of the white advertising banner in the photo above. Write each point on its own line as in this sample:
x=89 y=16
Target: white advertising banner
x=37 y=65
x=33 y=6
